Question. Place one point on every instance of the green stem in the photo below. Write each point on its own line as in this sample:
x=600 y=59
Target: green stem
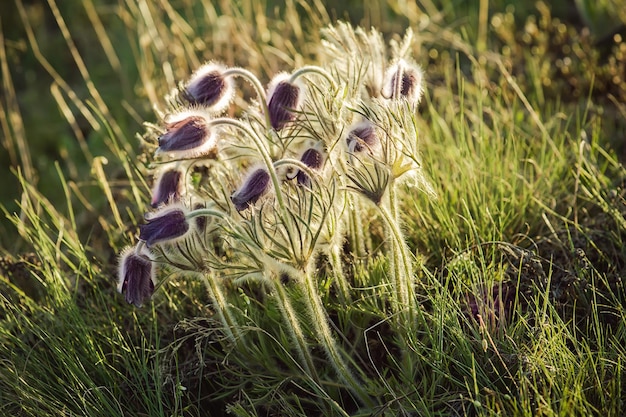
x=222 y=309
x=260 y=91
x=343 y=286
x=312 y=69
x=401 y=267
x=324 y=333
x=295 y=331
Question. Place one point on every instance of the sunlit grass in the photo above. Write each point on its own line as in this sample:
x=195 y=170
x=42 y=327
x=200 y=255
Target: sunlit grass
x=519 y=256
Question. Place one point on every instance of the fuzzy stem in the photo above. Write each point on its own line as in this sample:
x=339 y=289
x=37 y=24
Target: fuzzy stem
x=295 y=331
x=401 y=267
x=324 y=333
x=222 y=309
x=236 y=71
x=312 y=69
x=343 y=286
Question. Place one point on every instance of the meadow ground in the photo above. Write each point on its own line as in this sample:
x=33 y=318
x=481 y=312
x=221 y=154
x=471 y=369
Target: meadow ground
x=517 y=256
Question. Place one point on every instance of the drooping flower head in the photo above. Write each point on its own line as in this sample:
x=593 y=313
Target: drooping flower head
x=188 y=135
x=313 y=159
x=210 y=88
x=165 y=225
x=362 y=137
x=167 y=188
x=136 y=278
x=404 y=80
x=254 y=187
x=283 y=99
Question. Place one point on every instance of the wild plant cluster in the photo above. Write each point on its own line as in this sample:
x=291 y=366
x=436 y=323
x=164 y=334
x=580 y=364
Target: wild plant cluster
x=291 y=179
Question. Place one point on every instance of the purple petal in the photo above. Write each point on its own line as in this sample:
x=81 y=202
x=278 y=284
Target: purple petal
x=136 y=278
x=255 y=186
x=169 y=225
x=168 y=188
x=185 y=134
x=283 y=100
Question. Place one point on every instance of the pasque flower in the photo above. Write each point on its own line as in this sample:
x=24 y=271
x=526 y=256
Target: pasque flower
x=165 y=225
x=136 y=278
x=209 y=87
x=188 y=134
x=283 y=98
x=253 y=188
x=167 y=188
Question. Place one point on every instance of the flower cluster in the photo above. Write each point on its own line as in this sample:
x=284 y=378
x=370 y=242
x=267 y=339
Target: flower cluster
x=289 y=178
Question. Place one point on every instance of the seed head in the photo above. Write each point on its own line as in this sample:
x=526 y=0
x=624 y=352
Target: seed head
x=210 y=88
x=283 y=99
x=167 y=188
x=165 y=225
x=136 y=278
x=253 y=188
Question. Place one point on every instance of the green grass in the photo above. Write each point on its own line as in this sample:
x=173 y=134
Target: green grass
x=519 y=257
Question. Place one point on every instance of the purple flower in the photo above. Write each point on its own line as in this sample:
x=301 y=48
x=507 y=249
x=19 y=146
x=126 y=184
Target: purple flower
x=362 y=137
x=165 y=225
x=404 y=81
x=209 y=87
x=136 y=276
x=168 y=187
x=252 y=189
x=283 y=98
x=188 y=134
x=313 y=159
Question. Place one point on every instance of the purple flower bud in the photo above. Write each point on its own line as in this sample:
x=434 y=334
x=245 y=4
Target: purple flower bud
x=362 y=137
x=283 y=98
x=313 y=159
x=404 y=81
x=168 y=188
x=165 y=225
x=188 y=133
x=209 y=87
x=252 y=189
x=136 y=276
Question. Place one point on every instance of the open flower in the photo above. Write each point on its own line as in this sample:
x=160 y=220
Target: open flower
x=188 y=135
x=209 y=87
x=167 y=188
x=165 y=225
x=362 y=137
x=283 y=99
x=136 y=278
x=253 y=188
x=404 y=80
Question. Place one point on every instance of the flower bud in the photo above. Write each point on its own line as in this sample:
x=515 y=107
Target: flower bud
x=313 y=159
x=188 y=134
x=136 y=279
x=362 y=137
x=168 y=224
x=253 y=188
x=209 y=87
x=167 y=188
x=283 y=98
x=404 y=81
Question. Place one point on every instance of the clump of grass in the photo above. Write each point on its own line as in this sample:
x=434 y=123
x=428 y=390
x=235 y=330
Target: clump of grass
x=517 y=261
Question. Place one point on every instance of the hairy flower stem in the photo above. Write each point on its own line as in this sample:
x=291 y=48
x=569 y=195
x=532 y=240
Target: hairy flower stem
x=323 y=332
x=222 y=309
x=343 y=286
x=312 y=69
x=258 y=87
x=295 y=331
x=401 y=267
